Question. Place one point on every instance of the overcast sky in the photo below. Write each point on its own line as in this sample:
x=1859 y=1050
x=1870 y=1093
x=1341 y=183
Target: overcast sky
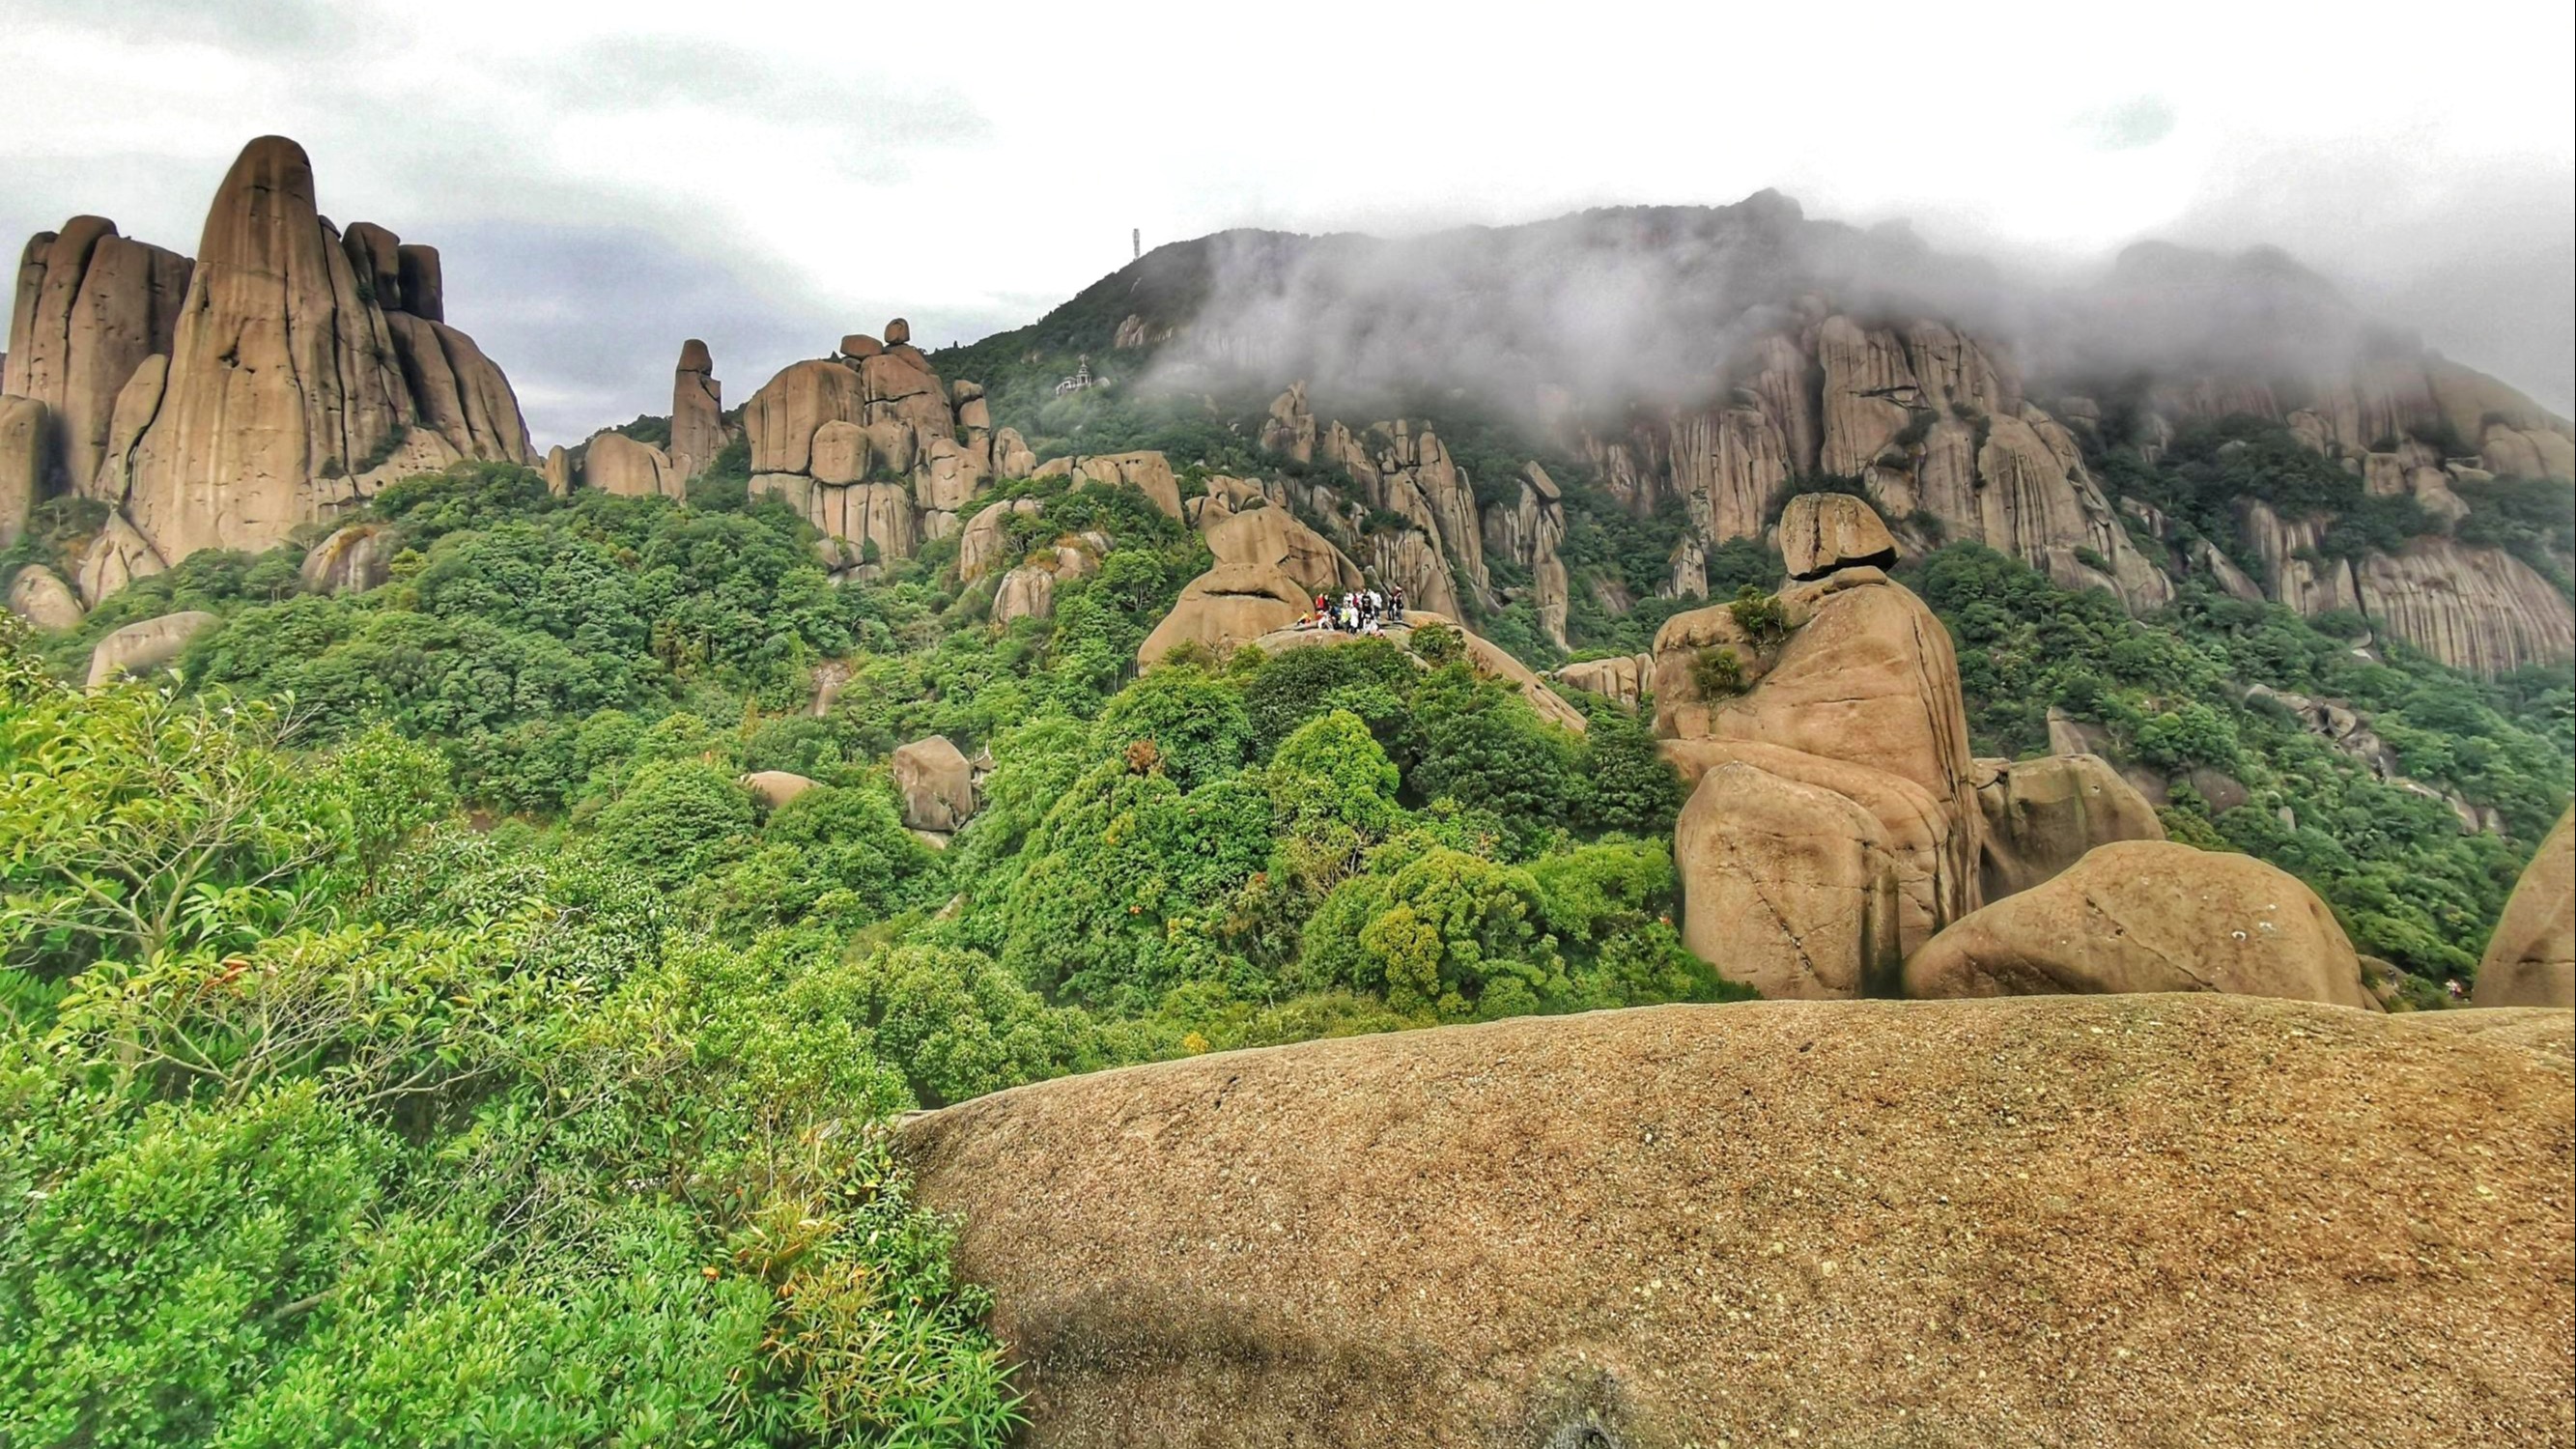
x=605 y=180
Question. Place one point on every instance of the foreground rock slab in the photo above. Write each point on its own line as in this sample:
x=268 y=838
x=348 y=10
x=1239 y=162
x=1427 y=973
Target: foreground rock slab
x=2099 y=1221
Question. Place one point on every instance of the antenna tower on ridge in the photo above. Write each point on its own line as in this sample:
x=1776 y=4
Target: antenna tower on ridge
x=1136 y=243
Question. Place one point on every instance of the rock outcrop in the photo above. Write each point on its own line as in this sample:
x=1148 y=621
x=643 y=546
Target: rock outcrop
x=38 y=595
x=2531 y=958
x=91 y=305
x=697 y=411
x=866 y=443
x=1778 y=1223
x=144 y=647
x=24 y=425
x=776 y=787
x=2149 y=916
x=624 y=467
x=984 y=545
x=1149 y=473
x=1627 y=679
x=1269 y=568
x=1833 y=825
x=2042 y=816
x=285 y=373
x=936 y=783
x=354 y=559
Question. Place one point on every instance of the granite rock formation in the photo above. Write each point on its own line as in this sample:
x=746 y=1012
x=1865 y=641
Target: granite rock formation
x=143 y=647
x=1790 y=1223
x=2042 y=816
x=866 y=444
x=697 y=411
x=2531 y=958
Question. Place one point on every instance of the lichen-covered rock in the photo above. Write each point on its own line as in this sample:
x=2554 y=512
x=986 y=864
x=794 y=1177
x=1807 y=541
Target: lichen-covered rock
x=354 y=559
x=2531 y=958
x=39 y=596
x=1789 y=1223
x=2149 y=915
x=144 y=647
x=2042 y=816
x=937 y=785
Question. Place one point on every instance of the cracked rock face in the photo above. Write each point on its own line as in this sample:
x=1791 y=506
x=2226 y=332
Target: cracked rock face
x=2042 y=815
x=2149 y=916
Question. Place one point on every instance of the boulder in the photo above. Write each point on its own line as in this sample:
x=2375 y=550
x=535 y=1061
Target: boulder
x=857 y=345
x=783 y=416
x=2042 y=815
x=144 y=647
x=936 y=783
x=424 y=287
x=1011 y=455
x=1229 y=605
x=697 y=410
x=1026 y=592
x=1625 y=679
x=2168 y=1221
x=840 y=453
x=776 y=787
x=23 y=426
x=623 y=467
x=352 y=560
x=985 y=544
x=39 y=596
x=1822 y=532
x=558 y=471
x=2149 y=915
x=117 y=556
x=1789 y=887
x=898 y=332
x=2531 y=958
x=1267 y=538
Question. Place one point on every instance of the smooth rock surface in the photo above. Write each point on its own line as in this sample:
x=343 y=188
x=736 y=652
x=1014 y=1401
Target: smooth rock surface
x=936 y=783
x=143 y=647
x=2103 y=1222
x=2531 y=958
x=2042 y=815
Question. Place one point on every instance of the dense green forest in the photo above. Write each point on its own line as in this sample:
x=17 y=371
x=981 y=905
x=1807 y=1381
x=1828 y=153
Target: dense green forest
x=414 y=1031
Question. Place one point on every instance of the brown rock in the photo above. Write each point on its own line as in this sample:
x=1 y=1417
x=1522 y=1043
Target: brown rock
x=898 y=332
x=936 y=783
x=841 y=453
x=1822 y=532
x=1264 y=538
x=2531 y=958
x=697 y=410
x=91 y=306
x=860 y=344
x=39 y=596
x=1545 y=1232
x=558 y=471
x=1290 y=428
x=354 y=559
x=2479 y=610
x=1026 y=592
x=776 y=787
x=1790 y=887
x=1625 y=678
x=2149 y=916
x=784 y=415
x=1149 y=472
x=24 y=424
x=460 y=395
x=424 y=287
x=984 y=545
x=1011 y=455
x=1229 y=605
x=118 y=556
x=144 y=647
x=375 y=254
x=2042 y=816
x=622 y=467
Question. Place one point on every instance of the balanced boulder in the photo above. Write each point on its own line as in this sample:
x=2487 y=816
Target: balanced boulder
x=2106 y=1221
x=2149 y=915
x=1823 y=532
x=144 y=647
x=2042 y=815
x=937 y=785
x=2531 y=958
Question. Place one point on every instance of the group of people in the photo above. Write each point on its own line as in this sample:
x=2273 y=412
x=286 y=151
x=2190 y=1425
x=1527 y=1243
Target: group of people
x=1360 y=611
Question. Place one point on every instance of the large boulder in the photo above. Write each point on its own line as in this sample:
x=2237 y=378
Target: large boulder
x=624 y=467
x=937 y=785
x=144 y=647
x=2149 y=915
x=1026 y=592
x=984 y=545
x=2531 y=958
x=1625 y=679
x=1823 y=532
x=354 y=559
x=1229 y=605
x=2042 y=815
x=39 y=596
x=776 y=787
x=1270 y=537
x=2163 y=1221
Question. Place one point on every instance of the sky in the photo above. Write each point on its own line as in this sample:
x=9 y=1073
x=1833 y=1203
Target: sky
x=606 y=180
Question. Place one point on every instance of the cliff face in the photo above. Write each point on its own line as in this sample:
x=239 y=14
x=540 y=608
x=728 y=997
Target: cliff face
x=285 y=373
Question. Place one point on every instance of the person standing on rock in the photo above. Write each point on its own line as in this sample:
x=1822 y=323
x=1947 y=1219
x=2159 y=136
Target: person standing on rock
x=1395 y=602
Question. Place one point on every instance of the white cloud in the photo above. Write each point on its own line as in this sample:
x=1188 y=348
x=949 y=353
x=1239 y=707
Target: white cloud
x=814 y=168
